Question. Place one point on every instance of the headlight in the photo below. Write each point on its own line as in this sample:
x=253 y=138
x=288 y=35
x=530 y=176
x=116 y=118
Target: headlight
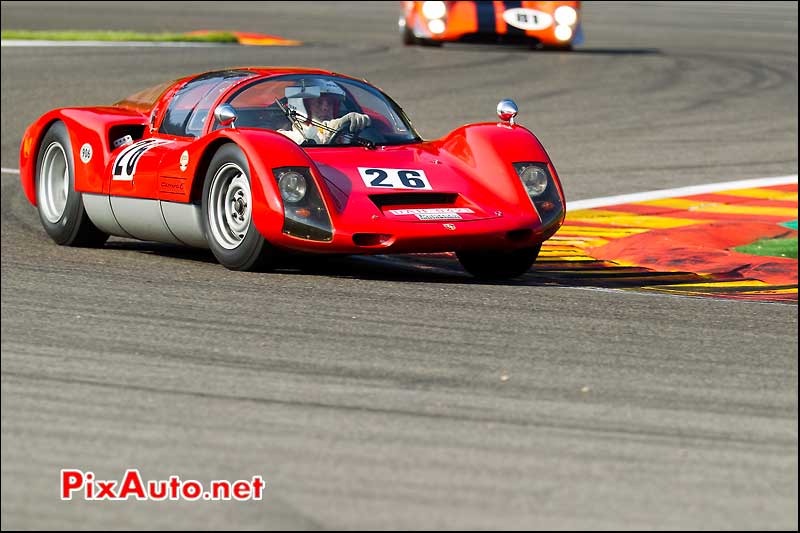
x=541 y=190
x=436 y=26
x=292 y=186
x=304 y=213
x=535 y=180
x=434 y=10
x=563 y=33
x=566 y=15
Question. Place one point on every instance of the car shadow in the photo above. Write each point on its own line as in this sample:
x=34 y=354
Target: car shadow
x=481 y=47
x=614 y=51
x=433 y=268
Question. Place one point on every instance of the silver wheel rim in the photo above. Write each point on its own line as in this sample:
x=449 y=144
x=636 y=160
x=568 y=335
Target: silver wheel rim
x=229 y=206
x=53 y=183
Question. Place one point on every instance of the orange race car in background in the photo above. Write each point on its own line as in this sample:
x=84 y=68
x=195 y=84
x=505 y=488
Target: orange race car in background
x=541 y=24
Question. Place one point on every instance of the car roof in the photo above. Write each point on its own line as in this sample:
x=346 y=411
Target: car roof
x=143 y=101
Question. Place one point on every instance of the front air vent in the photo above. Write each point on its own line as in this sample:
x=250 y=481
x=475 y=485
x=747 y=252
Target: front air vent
x=413 y=199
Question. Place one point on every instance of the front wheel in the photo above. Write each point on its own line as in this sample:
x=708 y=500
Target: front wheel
x=60 y=206
x=409 y=39
x=495 y=265
x=227 y=213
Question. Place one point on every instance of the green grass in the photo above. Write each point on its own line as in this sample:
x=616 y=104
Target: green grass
x=75 y=35
x=771 y=248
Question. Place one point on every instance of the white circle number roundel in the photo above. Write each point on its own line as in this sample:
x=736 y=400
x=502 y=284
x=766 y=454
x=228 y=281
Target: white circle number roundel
x=527 y=19
x=86 y=153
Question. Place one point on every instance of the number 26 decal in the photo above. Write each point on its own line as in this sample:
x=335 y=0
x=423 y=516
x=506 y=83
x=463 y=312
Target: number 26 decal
x=394 y=178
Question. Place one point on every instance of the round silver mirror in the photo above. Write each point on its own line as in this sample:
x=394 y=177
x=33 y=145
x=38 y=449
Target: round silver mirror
x=507 y=110
x=225 y=115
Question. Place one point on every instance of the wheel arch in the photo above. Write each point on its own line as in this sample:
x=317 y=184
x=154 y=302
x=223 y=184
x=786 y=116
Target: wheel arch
x=196 y=194
x=30 y=148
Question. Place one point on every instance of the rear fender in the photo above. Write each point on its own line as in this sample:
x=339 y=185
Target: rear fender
x=86 y=126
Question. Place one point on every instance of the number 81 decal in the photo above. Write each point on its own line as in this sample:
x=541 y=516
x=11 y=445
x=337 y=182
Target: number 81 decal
x=394 y=178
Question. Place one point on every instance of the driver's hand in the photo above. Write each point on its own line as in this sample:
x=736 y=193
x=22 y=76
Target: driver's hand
x=358 y=121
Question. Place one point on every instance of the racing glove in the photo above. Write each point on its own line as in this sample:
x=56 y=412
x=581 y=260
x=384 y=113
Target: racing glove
x=358 y=122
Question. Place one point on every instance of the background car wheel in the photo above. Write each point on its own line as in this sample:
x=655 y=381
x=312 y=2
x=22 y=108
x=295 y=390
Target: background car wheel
x=430 y=42
x=227 y=213
x=494 y=265
x=559 y=48
x=409 y=39
x=60 y=206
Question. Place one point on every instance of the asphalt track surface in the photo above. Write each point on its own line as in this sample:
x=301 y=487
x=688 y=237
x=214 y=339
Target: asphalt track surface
x=388 y=394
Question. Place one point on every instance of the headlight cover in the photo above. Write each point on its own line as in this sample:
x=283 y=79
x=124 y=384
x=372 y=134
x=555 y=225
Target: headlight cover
x=535 y=180
x=305 y=215
x=292 y=185
x=541 y=190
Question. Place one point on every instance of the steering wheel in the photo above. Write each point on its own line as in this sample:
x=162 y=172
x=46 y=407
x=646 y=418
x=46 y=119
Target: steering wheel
x=339 y=134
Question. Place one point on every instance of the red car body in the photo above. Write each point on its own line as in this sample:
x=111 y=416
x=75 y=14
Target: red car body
x=533 y=22
x=470 y=171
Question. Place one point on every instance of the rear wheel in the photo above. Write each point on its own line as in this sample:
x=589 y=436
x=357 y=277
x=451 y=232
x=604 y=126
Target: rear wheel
x=495 y=265
x=227 y=213
x=60 y=206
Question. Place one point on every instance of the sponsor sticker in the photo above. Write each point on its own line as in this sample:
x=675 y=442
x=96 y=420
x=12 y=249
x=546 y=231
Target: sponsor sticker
x=172 y=185
x=184 y=160
x=86 y=153
x=434 y=213
x=439 y=216
x=431 y=210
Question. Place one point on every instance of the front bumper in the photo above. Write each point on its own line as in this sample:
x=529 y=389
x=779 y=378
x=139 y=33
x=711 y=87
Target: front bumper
x=381 y=236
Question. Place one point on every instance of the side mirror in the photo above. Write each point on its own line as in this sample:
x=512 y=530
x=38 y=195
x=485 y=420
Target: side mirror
x=225 y=115
x=507 y=110
x=153 y=115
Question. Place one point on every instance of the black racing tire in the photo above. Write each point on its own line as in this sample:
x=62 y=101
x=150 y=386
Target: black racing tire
x=496 y=265
x=237 y=244
x=430 y=43
x=409 y=39
x=558 y=48
x=59 y=205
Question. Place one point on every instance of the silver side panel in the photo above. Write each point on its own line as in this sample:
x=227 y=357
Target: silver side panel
x=186 y=222
x=142 y=219
x=148 y=220
x=98 y=208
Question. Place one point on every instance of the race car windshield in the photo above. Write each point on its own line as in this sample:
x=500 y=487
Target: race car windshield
x=319 y=110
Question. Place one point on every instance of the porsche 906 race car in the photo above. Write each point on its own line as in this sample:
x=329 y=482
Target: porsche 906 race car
x=249 y=162
x=554 y=25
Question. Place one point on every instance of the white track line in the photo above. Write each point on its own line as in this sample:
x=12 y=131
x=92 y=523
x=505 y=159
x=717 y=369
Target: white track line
x=10 y=170
x=680 y=191
x=14 y=43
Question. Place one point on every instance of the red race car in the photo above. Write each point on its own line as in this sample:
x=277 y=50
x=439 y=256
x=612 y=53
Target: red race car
x=251 y=161
x=554 y=25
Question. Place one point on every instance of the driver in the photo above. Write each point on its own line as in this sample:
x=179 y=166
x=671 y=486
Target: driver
x=323 y=109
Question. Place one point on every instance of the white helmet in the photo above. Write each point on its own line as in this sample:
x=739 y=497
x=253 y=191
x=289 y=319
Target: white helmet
x=326 y=88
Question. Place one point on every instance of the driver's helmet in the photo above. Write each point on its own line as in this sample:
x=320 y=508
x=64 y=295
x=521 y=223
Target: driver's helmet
x=327 y=89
